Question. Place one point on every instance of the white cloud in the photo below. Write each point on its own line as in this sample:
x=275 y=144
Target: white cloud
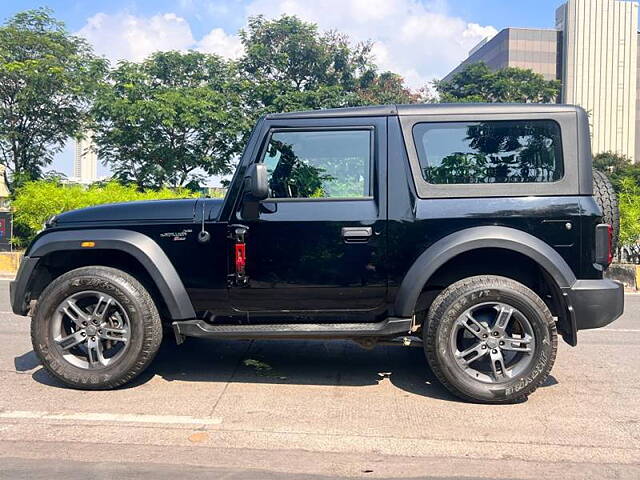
x=474 y=30
x=219 y=42
x=421 y=41
x=125 y=36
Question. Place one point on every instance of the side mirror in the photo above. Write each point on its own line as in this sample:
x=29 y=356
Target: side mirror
x=255 y=182
x=256 y=189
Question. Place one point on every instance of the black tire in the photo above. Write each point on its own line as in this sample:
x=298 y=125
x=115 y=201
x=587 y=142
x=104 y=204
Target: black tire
x=607 y=200
x=143 y=324
x=474 y=292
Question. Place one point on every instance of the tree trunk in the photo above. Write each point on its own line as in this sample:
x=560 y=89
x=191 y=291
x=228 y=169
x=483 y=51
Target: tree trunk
x=6 y=181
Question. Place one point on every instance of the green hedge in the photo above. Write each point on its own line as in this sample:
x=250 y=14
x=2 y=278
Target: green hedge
x=629 y=202
x=625 y=177
x=37 y=201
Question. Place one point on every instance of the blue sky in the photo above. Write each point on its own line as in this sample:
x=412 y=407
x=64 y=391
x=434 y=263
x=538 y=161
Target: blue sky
x=420 y=39
x=230 y=15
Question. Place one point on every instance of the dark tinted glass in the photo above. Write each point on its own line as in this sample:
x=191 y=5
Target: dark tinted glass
x=319 y=164
x=523 y=151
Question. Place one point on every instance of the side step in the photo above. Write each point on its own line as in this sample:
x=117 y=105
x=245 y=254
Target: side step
x=199 y=328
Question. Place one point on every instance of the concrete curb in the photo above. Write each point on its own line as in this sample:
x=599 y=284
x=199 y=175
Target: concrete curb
x=9 y=263
x=626 y=273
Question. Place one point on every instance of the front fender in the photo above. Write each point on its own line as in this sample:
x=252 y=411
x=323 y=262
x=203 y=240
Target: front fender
x=472 y=239
x=139 y=246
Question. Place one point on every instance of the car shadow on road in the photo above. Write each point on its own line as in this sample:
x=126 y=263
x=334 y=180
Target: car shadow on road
x=296 y=362
x=299 y=362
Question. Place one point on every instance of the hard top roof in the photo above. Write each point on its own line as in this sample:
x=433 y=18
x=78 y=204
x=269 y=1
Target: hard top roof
x=428 y=109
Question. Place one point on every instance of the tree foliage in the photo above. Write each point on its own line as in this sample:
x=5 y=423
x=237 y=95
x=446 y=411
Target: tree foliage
x=293 y=54
x=478 y=83
x=617 y=167
x=170 y=120
x=177 y=117
x=290 y=65
x=385 y=88
x=47 y=77
x=625 y=178
x=629 y=204
x=37 y=201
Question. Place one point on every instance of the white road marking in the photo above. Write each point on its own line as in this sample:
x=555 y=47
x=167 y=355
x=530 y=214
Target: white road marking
x=110 y=417
x=627 y=330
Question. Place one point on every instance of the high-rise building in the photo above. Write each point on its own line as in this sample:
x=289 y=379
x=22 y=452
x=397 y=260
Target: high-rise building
x=85 y=164
x=534 y=48
x=594 y=52
x=599 y=68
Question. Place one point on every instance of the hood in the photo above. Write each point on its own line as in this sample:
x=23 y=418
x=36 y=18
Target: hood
x=144 y=211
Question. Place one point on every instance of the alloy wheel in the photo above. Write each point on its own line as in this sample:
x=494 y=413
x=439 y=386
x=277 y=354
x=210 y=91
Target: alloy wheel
x=91 y=329
x=492 y=342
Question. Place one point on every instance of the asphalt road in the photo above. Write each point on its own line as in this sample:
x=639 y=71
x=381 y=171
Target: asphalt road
x=292 y=410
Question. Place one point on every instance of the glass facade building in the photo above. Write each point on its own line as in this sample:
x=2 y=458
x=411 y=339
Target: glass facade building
x=537 y=49
x=593 y=51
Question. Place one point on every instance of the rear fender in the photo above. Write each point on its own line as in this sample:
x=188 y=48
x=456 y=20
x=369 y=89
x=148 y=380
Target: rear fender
x=471 y=239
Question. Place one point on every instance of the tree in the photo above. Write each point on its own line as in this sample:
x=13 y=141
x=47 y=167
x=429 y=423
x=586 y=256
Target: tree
x=625 y=178
x=290 y=65
x=294 y=55
x=47 y=77
x=617 y=167
x=385 y=88
x=170 y=120
x=478 y=83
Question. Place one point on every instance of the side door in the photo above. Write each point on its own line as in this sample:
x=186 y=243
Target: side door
x=318 y=246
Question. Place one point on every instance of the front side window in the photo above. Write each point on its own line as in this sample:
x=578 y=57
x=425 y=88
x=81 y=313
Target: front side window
x=519 y=151
x=319 y=164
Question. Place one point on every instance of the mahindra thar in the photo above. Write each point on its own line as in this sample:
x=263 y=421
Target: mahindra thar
x=471 y=229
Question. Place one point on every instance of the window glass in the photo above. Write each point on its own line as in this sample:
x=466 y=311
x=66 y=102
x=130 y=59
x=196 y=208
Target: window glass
x=522 y=151
x=319 y=164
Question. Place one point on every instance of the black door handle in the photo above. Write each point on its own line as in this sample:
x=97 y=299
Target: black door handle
x=356 y=234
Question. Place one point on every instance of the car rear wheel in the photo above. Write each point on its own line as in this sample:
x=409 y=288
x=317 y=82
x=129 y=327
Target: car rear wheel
x=490 y=339
x=95 y=328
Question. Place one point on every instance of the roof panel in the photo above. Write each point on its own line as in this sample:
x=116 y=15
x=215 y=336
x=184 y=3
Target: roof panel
x=427 y=109
x=372 y=111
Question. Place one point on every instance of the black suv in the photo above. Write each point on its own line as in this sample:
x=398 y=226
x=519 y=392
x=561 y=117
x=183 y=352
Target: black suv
x=470 y=228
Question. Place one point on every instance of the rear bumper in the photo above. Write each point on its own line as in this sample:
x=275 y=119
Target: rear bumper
x=594 y=303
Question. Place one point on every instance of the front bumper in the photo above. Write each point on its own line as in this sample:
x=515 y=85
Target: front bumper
x=19 y=288
x=594 y=303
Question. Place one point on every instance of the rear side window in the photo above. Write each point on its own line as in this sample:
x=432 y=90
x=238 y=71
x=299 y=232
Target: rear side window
x=518 y=151
x=319 y=164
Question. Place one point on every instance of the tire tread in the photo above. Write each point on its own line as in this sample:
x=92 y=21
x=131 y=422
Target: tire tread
x=448 y=296
x=607 y=199
x=151 y=321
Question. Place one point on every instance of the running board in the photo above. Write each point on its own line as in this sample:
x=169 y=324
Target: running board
x=199 y=328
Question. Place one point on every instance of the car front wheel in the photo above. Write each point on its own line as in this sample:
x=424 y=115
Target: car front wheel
x=95 y=328
x=490 y=339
